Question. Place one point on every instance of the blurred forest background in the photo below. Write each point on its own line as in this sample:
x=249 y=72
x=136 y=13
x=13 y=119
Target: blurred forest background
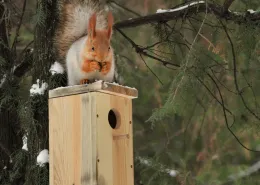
x=196 y=120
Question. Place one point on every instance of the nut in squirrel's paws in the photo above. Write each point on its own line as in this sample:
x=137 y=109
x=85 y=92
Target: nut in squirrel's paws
x=94 y=66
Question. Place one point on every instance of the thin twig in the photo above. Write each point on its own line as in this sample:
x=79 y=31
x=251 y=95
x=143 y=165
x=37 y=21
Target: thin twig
x=151 y=70
x=225 y=116
x=227 y=4
x=141 y=50
x=235 y=73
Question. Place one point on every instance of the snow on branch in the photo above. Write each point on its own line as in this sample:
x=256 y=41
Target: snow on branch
x=179 y=8
x=43 y=157
x=56 y=68
x=195 y=7
x=37 y=89
x=160 y=167
x=25 y=147
x=252 y=169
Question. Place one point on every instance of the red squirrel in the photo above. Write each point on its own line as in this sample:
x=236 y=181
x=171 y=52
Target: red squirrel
x=83 y=41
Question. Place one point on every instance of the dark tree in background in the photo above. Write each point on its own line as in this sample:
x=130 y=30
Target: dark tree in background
x=194 y=63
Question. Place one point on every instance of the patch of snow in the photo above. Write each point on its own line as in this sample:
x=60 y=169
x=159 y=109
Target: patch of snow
x=36 y=89
x=5 y=168
x=145 y=161
x=172 y=173
x=179 y=8
x=114 y=83
x=251 y=11
x=56 y=68
x=161 y=168
x=43 y=157
x=25 y=143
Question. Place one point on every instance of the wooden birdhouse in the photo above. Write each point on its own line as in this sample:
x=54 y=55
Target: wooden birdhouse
x=90 y=135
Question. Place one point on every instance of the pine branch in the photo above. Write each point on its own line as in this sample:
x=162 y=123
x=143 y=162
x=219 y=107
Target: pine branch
x=24 y=66
x=4 y=149
x=190 y=9
x=19 y=25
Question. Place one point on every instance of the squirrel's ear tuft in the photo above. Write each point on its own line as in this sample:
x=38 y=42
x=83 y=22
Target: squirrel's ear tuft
x=110 y=23
x=92 y=25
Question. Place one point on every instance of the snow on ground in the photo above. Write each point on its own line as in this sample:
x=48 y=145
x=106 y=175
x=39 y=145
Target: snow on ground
x=179 y=8
x=56 y=68
x=36 y=89
x=43 y=157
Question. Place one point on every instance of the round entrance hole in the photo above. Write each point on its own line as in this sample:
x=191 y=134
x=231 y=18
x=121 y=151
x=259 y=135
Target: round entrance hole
x=113 y=119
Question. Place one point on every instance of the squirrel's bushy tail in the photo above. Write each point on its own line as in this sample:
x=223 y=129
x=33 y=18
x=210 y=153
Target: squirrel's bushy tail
x=73 y=22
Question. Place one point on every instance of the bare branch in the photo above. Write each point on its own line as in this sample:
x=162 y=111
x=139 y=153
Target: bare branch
x=225 y=116
x=151 y=70
x=235 y=73
x=140 y=50
x=173 y=14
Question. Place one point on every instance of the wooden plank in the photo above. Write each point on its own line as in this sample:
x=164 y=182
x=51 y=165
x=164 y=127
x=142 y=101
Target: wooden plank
x=99 y=86
x=72 y=142
x=89 y=140
x=105 y=141
x=64 y=150
x=122 y=140
x=115 y=149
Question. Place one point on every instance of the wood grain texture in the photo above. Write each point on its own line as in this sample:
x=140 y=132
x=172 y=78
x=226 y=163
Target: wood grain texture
x=99 y=86
x=115 y=146
x=84 y=148
x=72 y=137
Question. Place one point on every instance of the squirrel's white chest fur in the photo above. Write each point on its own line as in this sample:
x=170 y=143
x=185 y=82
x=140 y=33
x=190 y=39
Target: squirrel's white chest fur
x=74 y=63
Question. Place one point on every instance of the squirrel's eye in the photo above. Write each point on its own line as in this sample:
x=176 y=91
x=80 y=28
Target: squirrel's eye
x=109 y=48
x=93 y=48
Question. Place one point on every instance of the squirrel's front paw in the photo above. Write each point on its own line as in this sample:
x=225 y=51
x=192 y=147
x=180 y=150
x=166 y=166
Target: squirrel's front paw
x=106 y=66
x=90 y=66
